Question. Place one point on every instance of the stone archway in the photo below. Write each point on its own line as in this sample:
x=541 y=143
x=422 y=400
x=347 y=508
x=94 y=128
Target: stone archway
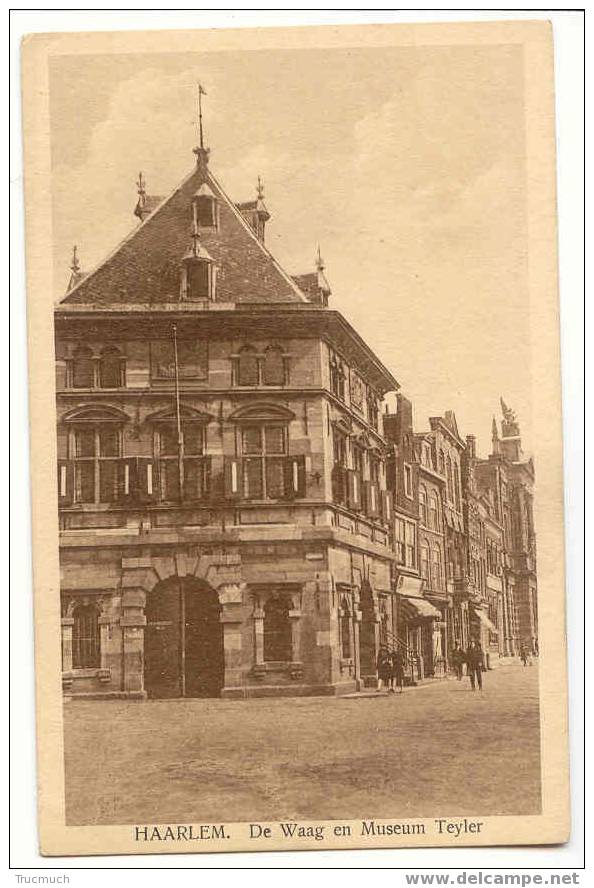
x=183 y=640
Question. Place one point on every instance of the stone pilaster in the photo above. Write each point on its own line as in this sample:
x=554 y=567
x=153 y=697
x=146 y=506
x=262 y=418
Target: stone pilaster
x=67 y=624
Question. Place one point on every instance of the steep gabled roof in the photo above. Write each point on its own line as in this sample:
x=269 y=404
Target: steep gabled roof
x=145 y=267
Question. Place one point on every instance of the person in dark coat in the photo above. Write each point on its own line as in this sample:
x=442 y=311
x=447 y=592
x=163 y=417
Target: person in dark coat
x=474 y=665
x=397 y=663
x=384 y=668
x=524 y=656
x=458 y=661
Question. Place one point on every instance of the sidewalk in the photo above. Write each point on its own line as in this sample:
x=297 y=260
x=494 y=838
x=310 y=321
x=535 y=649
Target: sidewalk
x=429 y=682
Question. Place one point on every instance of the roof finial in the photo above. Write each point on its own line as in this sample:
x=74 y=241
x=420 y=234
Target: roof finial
x=75 y=265
x=141 y=185
x=200 y=151
x=319 y=261
x=260 y=189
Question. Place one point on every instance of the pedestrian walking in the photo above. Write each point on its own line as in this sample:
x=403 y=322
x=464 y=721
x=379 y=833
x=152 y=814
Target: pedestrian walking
x=474 y=665
x=384 y=668
x=525 y=656
x=458 y=661
x=397 y=663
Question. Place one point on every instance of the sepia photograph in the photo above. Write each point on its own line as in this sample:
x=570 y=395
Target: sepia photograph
x=300 y=542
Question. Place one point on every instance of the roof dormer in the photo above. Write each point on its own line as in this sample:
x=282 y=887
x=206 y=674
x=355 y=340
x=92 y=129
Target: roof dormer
x=205 y=209
x=198 y=273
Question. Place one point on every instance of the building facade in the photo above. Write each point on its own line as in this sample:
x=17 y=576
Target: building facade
x=238 y=517
x=225 y=525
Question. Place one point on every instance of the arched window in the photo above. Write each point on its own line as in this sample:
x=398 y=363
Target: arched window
x=86 y=646
x=436 y=568
x=83 y=368
x=441 y=463
x=277 y=629
x=274 y=366
x=425 y=560
x=111 y=368
x=247 y=366
x=433 y=512
x=423 y=505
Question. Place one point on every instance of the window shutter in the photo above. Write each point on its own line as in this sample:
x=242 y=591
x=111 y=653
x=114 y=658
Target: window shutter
x=295 y=477
x=233 y=478
x=146 y=479
x=126 y=479
x=65 y=482
x=373 y=500
x=353 y=489
x=386 y=502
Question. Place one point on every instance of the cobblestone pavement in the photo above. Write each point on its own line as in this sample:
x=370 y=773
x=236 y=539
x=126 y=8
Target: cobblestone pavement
x=436 y=750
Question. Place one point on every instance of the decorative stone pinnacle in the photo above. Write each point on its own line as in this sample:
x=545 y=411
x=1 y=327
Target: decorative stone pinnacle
x=75 y=265
x=260 y=189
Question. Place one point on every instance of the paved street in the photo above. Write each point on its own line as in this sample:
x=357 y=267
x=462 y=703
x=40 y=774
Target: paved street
x=437 y=750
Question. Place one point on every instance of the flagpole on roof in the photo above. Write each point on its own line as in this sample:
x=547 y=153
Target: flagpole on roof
x=201 y=92
x=180 y=435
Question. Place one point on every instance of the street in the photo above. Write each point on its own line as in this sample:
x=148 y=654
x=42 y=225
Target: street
x=436 y=750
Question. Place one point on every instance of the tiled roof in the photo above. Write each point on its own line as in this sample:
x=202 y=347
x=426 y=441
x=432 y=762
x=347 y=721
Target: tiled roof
x=145 y=267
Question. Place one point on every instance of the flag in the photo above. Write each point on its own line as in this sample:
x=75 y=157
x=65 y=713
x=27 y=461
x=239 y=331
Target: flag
x=201 y=90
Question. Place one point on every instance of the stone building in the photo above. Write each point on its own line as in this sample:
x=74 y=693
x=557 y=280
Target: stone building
x=225 y=522
x=417 y=618
x=485 y=550
x=510 y=475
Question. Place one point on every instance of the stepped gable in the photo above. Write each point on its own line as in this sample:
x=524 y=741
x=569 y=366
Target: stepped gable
x=145 y=268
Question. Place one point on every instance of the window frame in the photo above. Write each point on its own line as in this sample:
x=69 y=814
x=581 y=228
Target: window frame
x=96 y=459
x=264 y=457
x=91 y=658
x=259 y=358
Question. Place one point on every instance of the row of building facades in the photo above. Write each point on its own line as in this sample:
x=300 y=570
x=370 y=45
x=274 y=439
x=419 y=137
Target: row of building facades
x=240 y=512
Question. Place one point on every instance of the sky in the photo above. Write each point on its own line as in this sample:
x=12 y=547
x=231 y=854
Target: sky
x=406 y=165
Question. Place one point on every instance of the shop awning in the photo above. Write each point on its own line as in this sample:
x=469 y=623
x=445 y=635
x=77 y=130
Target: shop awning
x=484 y=619
x=415 y=608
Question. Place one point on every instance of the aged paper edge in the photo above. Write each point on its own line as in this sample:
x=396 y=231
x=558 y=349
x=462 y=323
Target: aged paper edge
x=553 y=825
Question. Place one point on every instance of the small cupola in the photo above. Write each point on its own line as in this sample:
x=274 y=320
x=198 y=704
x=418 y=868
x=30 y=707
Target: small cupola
x=146 y=203
x=205 y=209
x=255 y=212
x=198 y=275
x=314 y=285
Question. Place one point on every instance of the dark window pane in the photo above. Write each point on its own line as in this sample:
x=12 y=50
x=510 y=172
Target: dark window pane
x=169 y=470
x=109 y=442
x=252 y=440
x=108 y=481
x=85 y=442
x=275 y=478
x=248 y=368
x=193 y=440
x=110 y=370
x=198 y=275
x=277 y=630
x=168 y=445
x=85 y=482
x=83 y=370
x=205 y=211
x=86 y=651
x=252 y=478
x=275 y=439
x=193 y=479
x=274 y=367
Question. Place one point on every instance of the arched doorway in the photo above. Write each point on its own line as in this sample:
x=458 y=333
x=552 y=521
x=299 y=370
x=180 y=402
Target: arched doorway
x=183 y=643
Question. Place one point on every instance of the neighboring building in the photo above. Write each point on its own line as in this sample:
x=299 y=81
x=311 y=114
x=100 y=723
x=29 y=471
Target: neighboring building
x=417 y=618
x=225 y=525
x=485 y=560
